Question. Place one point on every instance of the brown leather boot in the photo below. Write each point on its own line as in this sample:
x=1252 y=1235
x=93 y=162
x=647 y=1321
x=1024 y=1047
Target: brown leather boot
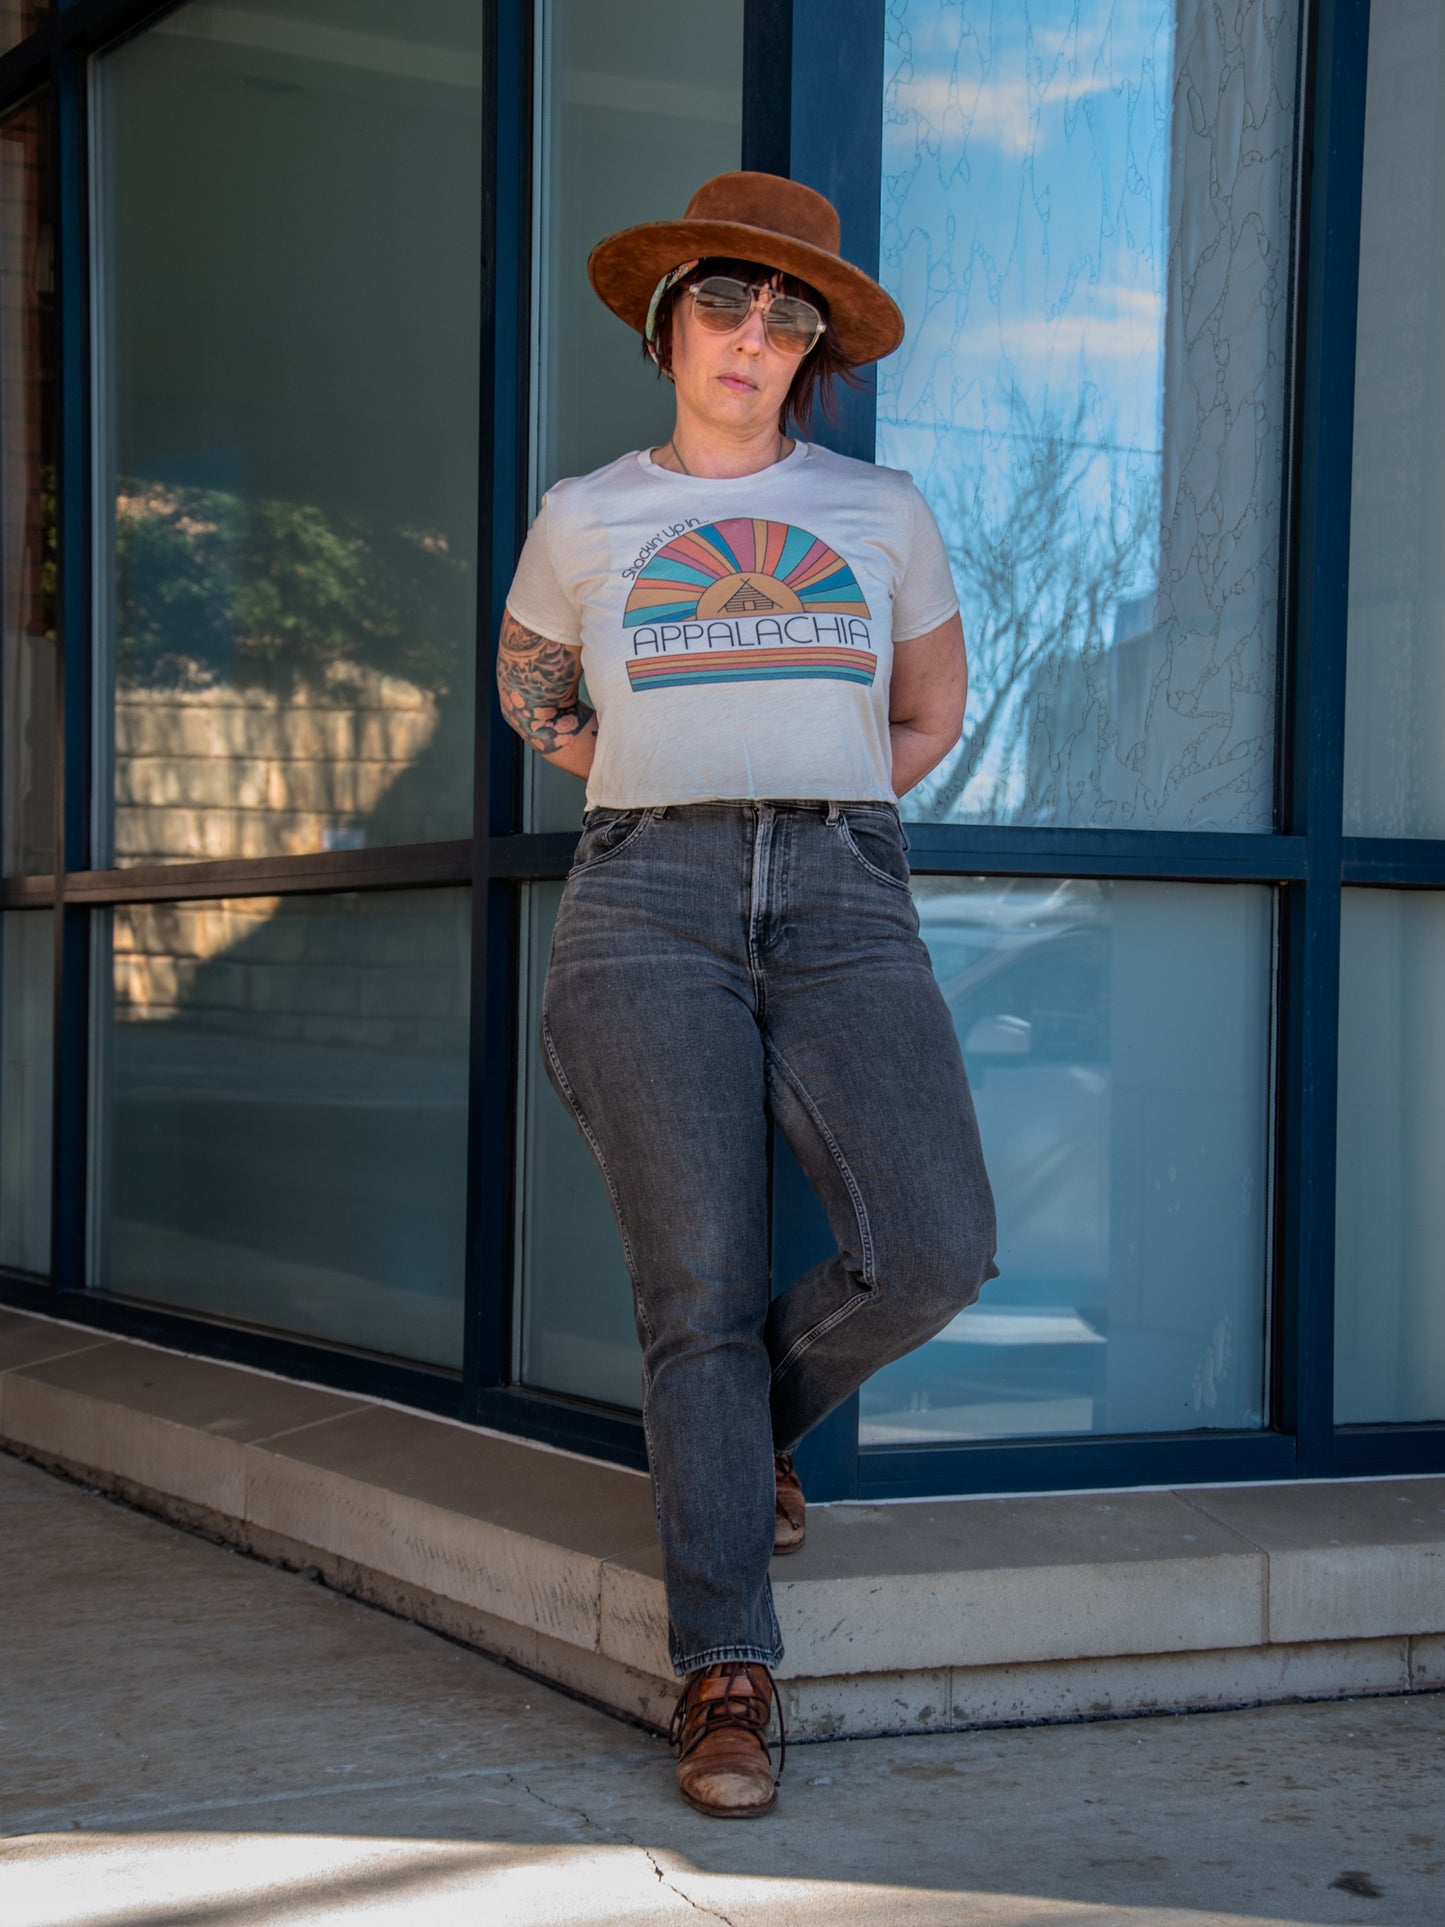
x=720 y=1729
x=790 y=1519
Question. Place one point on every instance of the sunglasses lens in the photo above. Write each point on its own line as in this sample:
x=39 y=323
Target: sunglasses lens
x=793 y=325
x=721 y=304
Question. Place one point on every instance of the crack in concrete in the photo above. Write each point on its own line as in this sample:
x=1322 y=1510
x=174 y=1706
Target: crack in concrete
x=48 y=1819
x=620 y=1833
x=673 y=1888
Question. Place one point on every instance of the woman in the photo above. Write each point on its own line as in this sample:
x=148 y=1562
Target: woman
x=771 y=638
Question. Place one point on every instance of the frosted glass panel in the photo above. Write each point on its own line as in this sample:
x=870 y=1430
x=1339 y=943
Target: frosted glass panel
x=27 y=1005
x=1395 y=702
x=281 y=1084
x=1390 y=1207
x=575 y=1329
x=1086 y=220
x=1117 y=1038
x=638 y=106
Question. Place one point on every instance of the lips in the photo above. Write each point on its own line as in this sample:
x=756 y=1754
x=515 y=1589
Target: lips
x=737 y=383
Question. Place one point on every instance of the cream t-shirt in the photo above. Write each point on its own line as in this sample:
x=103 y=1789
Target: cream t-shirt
x=737 y=635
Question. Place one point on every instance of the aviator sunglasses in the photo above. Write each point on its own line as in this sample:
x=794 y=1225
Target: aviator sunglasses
x=722 y=304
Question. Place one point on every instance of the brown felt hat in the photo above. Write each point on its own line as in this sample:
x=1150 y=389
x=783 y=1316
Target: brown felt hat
x=751 y=217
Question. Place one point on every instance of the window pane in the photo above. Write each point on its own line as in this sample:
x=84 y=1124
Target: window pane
x=575 y=1325
x=1395 y=677
x=18 y=18
x=1086 y=220
x=27 y=1002
x=27 y=487
x=638 y=106
x=289 y=356
x=281 y=1088
x=1117 y=1039
x=1390 y=1204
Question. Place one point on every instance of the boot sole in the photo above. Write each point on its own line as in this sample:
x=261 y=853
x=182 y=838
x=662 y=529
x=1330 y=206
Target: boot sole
x=730 y=1813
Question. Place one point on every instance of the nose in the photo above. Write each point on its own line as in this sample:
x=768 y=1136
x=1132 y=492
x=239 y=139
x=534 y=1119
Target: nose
x=752 y=334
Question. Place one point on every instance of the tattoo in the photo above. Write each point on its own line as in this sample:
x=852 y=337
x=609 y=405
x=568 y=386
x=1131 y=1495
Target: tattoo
x=537 y=680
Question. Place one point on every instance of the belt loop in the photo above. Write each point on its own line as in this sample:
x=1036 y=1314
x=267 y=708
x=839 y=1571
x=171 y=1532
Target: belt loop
x=833 y=812
x=658 y=811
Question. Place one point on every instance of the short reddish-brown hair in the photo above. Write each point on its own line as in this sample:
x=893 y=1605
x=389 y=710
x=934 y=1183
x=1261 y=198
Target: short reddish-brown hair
x=820 y=373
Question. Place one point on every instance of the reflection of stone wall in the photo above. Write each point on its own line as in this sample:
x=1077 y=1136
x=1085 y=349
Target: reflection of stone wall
x=224 y=772
x=346 y=969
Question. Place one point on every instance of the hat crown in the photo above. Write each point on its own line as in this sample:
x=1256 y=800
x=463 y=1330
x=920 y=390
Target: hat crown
x=768 y=201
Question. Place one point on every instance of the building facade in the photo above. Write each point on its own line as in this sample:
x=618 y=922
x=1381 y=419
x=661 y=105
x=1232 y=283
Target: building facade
x=296 y=330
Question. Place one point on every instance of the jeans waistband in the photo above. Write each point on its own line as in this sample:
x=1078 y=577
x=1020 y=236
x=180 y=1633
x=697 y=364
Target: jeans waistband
x=826 y=807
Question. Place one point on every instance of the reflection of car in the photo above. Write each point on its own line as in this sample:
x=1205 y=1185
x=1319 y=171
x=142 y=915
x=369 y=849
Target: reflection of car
x=1026 y=971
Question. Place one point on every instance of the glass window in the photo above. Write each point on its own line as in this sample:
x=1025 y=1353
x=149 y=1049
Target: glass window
x=1395 y=677
x=575 y=1332
x=281 y=1091
x=1390 y=1203
x=637 y=106
x=1086 y=221
x=1117 y=1039
x=27 y=492
x=288 y=370
x=19 y=18
x=27 y=1004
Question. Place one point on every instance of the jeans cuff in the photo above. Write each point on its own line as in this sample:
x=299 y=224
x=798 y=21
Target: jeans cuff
x=720 y=1655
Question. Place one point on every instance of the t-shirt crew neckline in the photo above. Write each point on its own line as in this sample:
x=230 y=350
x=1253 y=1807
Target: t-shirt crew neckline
x=799 y=454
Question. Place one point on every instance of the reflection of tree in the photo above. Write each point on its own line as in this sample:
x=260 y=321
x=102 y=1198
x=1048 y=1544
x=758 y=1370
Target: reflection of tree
x=213 y=587
x=1041 y=566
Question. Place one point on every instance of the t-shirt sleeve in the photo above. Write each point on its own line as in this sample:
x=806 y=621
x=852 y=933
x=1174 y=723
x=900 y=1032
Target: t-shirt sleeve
x=926 y=595
x=537 y=597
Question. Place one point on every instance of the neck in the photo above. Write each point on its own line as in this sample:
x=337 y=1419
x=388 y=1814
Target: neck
x=696 y=449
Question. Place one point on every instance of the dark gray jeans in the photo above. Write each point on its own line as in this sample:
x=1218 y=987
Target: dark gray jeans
x=716 y=965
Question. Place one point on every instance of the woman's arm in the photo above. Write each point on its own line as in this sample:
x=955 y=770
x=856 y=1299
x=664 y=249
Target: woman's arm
x=926 y=696
x=537 y=680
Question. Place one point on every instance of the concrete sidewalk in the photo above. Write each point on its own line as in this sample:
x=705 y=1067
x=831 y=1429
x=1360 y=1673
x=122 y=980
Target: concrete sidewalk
x=193 y=1739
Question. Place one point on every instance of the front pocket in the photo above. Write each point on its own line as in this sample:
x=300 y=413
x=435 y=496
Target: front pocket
x=874 y=838
x=608 y=834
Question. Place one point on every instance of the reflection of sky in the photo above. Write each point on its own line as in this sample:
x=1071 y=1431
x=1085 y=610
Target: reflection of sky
x=1025 y=162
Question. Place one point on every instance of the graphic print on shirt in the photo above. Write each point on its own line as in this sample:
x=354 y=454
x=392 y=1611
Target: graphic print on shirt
x=747 y=601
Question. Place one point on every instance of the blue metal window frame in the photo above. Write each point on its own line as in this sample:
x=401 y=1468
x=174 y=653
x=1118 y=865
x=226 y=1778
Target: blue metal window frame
x=813 y=77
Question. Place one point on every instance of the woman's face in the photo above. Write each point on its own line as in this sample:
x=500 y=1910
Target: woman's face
x=729 y=383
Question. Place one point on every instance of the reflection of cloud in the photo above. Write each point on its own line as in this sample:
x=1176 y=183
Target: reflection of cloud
x=1005 y=113
x=1132 y=332
x=1113 y=342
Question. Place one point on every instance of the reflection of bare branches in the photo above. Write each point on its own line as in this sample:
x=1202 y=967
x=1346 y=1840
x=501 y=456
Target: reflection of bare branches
x=1041 y=574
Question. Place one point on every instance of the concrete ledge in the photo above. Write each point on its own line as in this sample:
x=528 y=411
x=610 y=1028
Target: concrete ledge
x=896 y=1618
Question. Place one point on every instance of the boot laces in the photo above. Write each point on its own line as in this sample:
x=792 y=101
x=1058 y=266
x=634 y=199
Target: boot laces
x=746 y=1708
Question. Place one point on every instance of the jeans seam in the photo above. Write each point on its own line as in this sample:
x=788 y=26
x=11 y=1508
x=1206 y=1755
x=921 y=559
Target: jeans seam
x=564 y=1084
x=862 y=861
x=860 y=1212
x=585 y=869
x=720 y=1655
x=810 y=1337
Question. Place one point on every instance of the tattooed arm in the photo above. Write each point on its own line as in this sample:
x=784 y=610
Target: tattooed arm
x=538 y=680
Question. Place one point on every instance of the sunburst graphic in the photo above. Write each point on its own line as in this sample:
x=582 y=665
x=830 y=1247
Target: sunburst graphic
x=744 y=567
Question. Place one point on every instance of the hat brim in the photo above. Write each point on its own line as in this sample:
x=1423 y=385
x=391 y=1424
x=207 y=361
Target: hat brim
x=625 y=267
